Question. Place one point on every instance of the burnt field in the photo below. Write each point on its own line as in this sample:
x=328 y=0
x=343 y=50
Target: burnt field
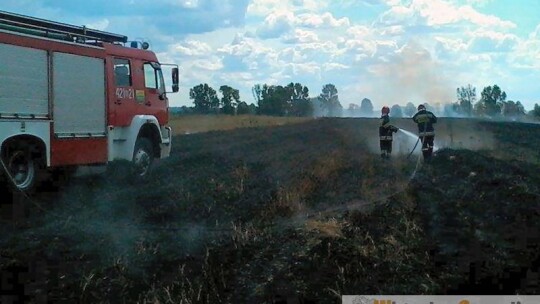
x=298 y=213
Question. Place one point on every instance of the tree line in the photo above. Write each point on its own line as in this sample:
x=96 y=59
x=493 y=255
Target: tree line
x=293 y=99
x=492 y=103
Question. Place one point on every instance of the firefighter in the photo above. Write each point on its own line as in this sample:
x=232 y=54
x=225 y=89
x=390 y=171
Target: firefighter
x=385 y=133
x=425 y=120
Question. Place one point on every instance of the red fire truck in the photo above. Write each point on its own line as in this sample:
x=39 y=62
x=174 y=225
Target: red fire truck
x=72 y=96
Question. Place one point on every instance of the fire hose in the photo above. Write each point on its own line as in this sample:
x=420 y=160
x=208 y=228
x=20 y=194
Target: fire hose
x=414 y=148
x=417 y=141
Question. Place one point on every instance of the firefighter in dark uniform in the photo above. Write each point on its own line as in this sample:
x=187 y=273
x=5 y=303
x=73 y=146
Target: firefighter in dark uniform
x=385 y=133
x=425 y=120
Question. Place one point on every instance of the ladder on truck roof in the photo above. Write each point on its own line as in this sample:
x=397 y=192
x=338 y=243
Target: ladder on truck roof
x=55 y=30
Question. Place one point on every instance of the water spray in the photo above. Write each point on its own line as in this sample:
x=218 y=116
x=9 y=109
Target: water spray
x=413 y=136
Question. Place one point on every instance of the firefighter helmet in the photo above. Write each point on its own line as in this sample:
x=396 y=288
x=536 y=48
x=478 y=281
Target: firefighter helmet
x=421 y=107
x=385 y=110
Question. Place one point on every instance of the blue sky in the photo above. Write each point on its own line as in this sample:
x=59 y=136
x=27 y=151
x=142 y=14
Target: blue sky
x=391 y=51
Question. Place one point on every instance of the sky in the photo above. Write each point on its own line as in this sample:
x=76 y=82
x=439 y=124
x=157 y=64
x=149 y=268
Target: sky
x=390 y=51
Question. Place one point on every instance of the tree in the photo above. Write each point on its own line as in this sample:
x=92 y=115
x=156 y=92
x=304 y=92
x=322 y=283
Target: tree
x=253 y=109
x=396 y=111
x=300 y=105
x=451 y=110
x=520 y=108
x=330 y=100
x=429 y=107
x=366 y=107
x=242 y=108
x=292 y=99
x=492 y=99
x=535 y=111
x=409 y=109
x=512 y=109
x=231 y=97
x=205 y=98
x=466 y=97
x=479 y=108
x=273 y=100
x=353 y=109
x=257 y=92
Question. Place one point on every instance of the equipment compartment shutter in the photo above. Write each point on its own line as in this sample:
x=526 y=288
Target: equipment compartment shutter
x=79 y=95
x=23 y=81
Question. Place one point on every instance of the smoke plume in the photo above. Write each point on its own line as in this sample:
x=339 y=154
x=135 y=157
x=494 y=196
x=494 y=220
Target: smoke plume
x=410 y=75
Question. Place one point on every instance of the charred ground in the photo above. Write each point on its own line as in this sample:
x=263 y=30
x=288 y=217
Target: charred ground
x=305 y=211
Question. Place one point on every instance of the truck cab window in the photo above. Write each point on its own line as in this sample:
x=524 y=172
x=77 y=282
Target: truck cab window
x=122 y=72
x=150 y=76
x=153 y=77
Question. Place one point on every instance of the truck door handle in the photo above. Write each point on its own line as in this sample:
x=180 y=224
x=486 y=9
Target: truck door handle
x=118 y=101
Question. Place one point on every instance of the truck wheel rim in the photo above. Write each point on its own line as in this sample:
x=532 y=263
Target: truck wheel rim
x=142 y=162
x=21 y=169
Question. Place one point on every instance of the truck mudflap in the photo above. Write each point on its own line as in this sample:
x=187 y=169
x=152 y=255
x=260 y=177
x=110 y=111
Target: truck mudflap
x=166 y=141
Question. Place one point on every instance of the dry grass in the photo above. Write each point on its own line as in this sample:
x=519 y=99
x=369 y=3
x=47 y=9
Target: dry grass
x=327 y=228
x=204 y=123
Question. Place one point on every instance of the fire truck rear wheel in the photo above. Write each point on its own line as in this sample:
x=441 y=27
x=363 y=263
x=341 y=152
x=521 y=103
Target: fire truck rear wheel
x=23 y=163
x=143 y=157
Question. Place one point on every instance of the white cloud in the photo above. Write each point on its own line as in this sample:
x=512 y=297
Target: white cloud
x=536 y=33
x=449 y=48
x=318 y=21
x=301 y=36
x=479 y=3
x=276 y=24
x=99 y=25
x=359 y=31
x=306 y=68
x=398 y=15
x=393 y=30
x=486 y=41
x=180 y=3
x=247 y=54
x=488 y=21
x=294 y=55
x=266 y=7
x=335 y=66
x=367 y=45
x=212 y=63
x=439 y=13
x=367 y=48
x=192 y=48
x=527 y=53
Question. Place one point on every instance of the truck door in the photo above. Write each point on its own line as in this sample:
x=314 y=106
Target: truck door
x=155 y=98
x=124 y=93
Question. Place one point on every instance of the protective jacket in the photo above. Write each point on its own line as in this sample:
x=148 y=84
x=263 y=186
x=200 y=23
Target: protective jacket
x=425 y=120
x=386 y=129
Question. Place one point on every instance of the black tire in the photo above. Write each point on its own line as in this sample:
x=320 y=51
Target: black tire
x=23 y=163
x=143 y=158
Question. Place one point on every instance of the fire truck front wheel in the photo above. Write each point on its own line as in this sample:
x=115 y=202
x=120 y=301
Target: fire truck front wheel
x=21 y=161
x=143 y=157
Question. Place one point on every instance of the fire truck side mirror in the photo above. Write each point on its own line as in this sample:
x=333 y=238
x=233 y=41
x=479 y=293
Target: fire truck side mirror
x=175 y=80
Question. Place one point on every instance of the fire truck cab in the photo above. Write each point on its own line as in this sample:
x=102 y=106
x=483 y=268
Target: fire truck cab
x=72 y=96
